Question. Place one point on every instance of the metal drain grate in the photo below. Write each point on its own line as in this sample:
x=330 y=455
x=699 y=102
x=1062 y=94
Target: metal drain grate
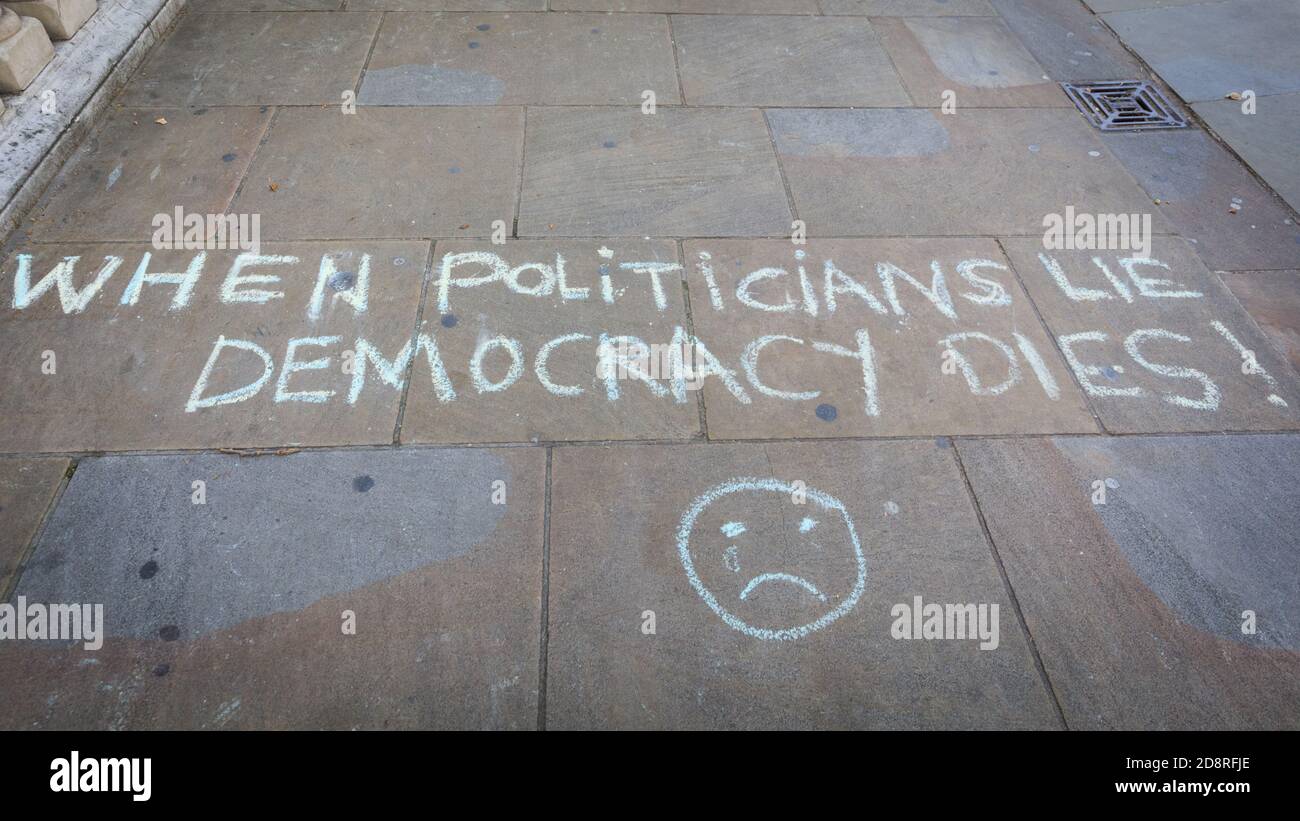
x=1124 y=105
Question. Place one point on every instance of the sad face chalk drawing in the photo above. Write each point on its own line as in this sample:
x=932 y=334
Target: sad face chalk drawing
x=761 y=561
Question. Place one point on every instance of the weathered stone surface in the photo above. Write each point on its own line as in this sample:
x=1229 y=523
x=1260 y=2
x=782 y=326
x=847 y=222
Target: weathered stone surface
x=597 y=172
x=529 y=307
x=503 y=59
x=27 y=486
x=276 y=5
x=810 y=378
x=909 y=8
x=1198 y=183
x=24 y=51
x=230 y=613
x=1151 y=357
x=1068 y=41
x=1272 y=298
x=1265 y=139
x=907 y=172
x=978 y=60
x=691 y=6
x=61 y=18
x=776 y=61
x=350 y=175
x=109 y=48
x=1137 y=605
x=124 y=375
x=447 y=5
x=132 y=168
x=615 y=521
x=1100 y=6
x=1207 y=50
x=275 y=58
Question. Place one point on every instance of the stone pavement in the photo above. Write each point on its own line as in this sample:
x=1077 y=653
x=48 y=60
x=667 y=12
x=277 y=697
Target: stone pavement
x=1237 y=62
x=656 y=364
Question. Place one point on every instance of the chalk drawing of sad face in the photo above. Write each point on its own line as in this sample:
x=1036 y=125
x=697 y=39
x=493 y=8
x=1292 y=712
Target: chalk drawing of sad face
x=769 y=567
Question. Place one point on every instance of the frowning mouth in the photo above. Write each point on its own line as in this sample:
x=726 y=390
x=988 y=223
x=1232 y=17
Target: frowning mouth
x=781 y=577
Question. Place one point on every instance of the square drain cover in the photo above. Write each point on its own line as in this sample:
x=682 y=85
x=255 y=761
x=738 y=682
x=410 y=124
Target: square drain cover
x=1124 y=105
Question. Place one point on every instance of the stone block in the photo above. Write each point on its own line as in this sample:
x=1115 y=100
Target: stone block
x=61 y=18
x=25 y=48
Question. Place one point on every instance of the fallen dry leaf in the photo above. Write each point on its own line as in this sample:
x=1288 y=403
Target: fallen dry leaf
x=161 y=121
x=272 y=186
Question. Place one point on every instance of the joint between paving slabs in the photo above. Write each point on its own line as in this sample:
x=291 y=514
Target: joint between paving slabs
x=1056 y=346
x=419 y=322
x=1193 y=118
x=519 y=189
x=677 y=63
x=780 y=169
x=544 y=621
x=1011 y=592
x=252 y=158
x=690 y=326
x=25 y=555
x=370 y=53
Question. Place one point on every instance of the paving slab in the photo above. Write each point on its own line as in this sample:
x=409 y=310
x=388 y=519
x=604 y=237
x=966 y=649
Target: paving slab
x=98 y=364
x=1266 y=139
x=901 y=337
x=1068 y=41
x=641 y=638
x=1138 y=606
x=1159 y=345
x=504 y=59
x=27 y=487
x=1100 y=6
x=133 y=168
x=273 y=58
x=752 y=60
x=231 y=613
x=1205 y=51
x=386 y=172
x=1198 y=183
x=909 y=8
x=593 y=172
x=446 y=5
x=976 y=62
x=267 y=5
x=530 y=334
x=1272 y=298
x=909 y=172
x=691 y=6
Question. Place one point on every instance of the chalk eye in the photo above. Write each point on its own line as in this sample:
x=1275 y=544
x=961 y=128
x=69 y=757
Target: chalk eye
x=732 y=529
x=807 y=524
